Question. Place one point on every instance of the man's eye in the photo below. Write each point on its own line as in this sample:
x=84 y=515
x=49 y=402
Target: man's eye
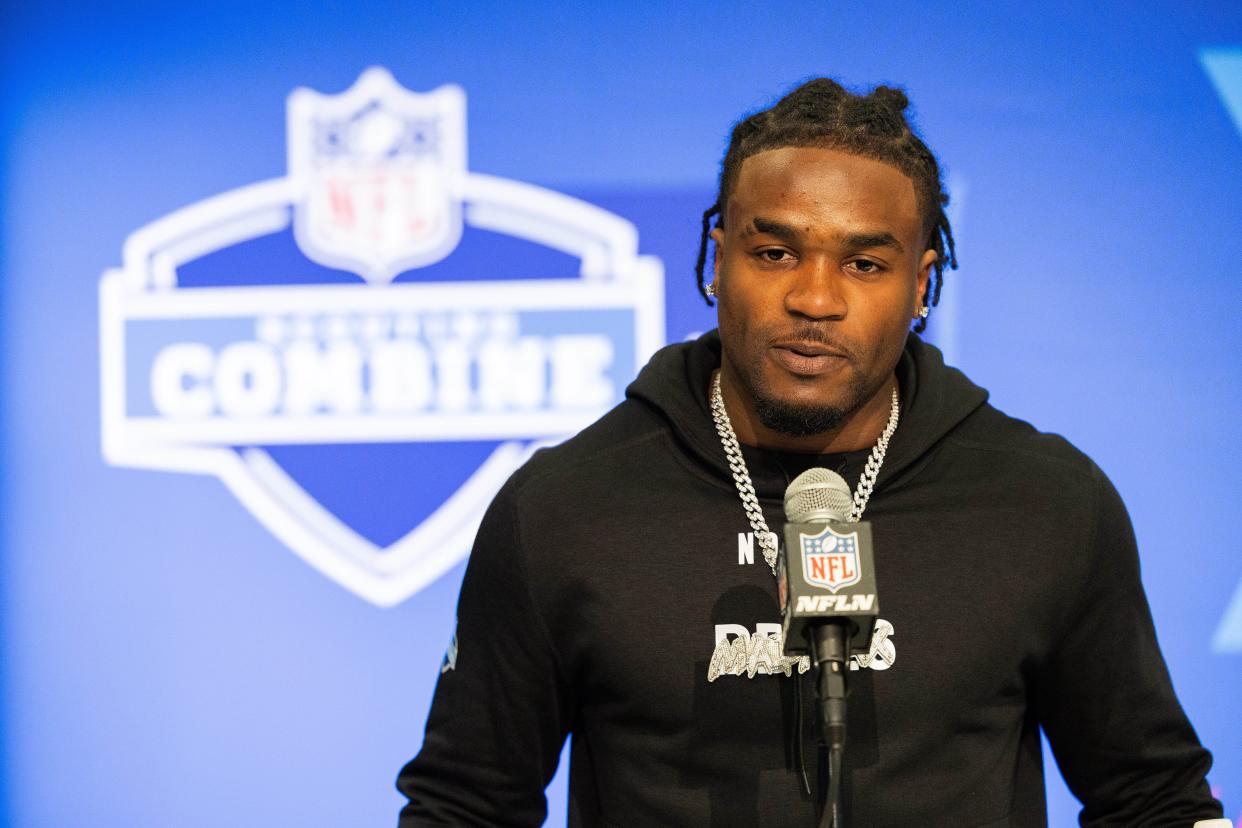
x=774 y=254
x=865 y=266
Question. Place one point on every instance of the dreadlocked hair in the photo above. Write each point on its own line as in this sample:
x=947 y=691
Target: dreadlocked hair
x=822 y=113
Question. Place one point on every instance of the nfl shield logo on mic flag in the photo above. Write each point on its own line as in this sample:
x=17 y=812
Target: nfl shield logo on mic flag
x=830 y=559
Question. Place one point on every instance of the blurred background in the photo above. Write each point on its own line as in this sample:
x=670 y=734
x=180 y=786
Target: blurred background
x=238 y=620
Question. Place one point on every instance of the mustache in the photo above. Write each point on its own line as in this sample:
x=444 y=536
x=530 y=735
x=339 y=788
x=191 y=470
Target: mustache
x=812 y=334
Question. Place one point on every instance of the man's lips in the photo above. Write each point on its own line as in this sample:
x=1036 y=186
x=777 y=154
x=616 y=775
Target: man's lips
x=808 y=358
x=807 y=347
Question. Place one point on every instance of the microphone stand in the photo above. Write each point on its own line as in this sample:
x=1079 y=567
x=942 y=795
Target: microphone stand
x=830 y=646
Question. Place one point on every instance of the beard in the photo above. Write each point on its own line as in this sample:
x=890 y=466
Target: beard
x=806 y=420
x=794 y=420
x=799 y=419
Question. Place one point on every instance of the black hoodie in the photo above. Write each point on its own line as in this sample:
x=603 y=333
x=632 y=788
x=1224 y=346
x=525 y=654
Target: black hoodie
x=611 y=569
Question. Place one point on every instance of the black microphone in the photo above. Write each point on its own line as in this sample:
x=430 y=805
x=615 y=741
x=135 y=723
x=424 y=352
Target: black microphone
x=826 y=587
x=825 y=570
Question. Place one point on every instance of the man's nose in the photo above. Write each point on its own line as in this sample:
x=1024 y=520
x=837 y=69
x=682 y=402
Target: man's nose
x=817 y=290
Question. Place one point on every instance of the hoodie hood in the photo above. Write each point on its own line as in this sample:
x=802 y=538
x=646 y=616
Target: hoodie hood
x=935 y=398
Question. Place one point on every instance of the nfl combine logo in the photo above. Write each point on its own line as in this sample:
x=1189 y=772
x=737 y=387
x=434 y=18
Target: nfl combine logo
x=830 y=559
x=364 y=349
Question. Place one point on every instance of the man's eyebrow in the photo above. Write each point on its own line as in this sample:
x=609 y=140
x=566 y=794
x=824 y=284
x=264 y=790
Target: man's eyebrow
x=862 y=241
x=784 y=232
x=853 y=241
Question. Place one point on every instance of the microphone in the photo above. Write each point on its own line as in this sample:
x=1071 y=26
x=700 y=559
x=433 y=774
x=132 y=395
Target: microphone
x=826 y=568
x=825 y=574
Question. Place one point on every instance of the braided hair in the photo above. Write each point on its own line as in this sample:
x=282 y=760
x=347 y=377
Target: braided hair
x=822 y=113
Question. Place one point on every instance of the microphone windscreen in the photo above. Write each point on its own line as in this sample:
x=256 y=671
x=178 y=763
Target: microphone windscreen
x=816 y=496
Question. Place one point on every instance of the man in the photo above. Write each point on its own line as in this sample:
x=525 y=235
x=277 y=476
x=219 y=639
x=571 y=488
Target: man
x=610 y=595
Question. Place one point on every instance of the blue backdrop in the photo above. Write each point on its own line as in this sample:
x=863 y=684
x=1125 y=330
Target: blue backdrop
x=170 y=658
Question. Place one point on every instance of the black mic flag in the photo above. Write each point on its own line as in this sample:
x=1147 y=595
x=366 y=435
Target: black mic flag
x=826 y=566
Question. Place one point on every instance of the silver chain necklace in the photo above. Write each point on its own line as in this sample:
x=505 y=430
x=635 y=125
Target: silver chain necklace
x=746 y=489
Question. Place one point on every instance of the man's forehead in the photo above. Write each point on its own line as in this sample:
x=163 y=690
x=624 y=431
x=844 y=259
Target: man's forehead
x=808 y=187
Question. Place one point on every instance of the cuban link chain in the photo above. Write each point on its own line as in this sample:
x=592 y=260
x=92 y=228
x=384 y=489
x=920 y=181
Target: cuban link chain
x=746 y=489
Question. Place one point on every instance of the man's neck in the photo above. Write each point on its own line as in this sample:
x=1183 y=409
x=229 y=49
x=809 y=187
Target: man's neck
x=859 y=431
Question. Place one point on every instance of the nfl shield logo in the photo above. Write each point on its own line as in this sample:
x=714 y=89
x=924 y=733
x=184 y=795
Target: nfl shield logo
x=380 y=172
x=830 y=559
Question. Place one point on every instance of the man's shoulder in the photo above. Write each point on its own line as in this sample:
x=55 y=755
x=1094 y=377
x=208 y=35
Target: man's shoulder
x=950 y=409
x=1016 y=443
x=622 y=436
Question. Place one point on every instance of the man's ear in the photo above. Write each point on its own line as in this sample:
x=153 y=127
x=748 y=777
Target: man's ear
x=717 y=237
x=924 y=280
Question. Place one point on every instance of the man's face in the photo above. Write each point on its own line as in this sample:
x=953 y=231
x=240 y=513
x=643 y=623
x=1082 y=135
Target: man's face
x=818 y=270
